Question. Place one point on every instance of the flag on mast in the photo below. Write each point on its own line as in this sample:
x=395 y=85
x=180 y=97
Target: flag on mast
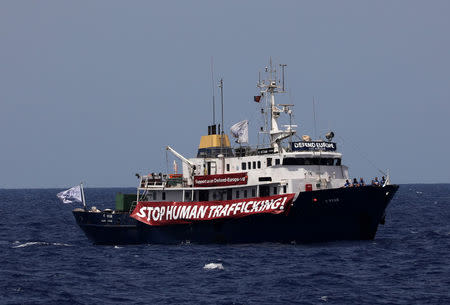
x=175 y=167
x=74 y=194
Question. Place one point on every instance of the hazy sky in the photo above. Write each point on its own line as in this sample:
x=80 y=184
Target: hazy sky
x=94 y=90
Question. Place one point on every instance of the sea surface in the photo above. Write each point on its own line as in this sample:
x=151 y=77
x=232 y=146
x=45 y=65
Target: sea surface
x=46 y=259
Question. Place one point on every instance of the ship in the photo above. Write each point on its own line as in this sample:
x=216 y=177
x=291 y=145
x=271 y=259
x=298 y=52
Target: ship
x=288 y=189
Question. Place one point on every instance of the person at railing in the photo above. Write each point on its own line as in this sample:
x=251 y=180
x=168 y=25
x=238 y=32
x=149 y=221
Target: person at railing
x=347 y=184
x=376 y=182
x=355 y=183
x=361 y=182
x=383 y=181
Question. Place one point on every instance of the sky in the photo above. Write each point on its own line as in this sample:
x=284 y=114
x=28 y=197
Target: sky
x=93 y=91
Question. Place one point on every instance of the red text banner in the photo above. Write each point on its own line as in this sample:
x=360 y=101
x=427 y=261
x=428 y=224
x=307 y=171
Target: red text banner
x=220 y=180
x=167 y=213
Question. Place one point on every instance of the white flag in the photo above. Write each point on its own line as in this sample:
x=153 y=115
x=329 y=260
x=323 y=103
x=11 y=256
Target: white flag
x=240 y=131
x=71 y=195
x=175 y=167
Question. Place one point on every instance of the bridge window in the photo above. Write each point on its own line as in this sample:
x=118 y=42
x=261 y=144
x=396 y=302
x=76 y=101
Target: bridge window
x=275 y=190
x=293 y=161
x=253 y=192
x=284 y=189
x=249 y=165
x=277 y=161
x=254 y=164
x=269 y=162
x=228 y=167
x=163 y=195
x=244 y=166
x=245 y=193
x=312 y=161
x=237 y=194
x=259 y=164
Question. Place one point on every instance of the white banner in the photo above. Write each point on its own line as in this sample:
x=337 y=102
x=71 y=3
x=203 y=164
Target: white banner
x=71 y=195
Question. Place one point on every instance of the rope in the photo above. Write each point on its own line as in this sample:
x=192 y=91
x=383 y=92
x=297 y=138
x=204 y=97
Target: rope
x=364 y=156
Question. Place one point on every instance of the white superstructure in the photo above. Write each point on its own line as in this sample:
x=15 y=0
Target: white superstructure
x=283 y=166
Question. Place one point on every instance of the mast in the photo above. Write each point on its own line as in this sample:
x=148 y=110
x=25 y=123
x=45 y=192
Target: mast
x=221 y=100
x=268 y=89
x=213 y=94
x=282 y=76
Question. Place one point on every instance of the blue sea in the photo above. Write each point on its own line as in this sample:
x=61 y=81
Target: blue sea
x=46 y=259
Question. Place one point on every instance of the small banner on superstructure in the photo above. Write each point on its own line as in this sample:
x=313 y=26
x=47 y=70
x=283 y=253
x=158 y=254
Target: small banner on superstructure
x=313 y=146
x=220 y=180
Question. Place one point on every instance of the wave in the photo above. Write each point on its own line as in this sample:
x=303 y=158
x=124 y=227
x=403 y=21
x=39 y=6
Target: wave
x=324 y=298
x=38 y=243
x=212 y=266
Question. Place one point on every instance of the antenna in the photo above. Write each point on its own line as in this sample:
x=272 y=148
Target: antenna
x=270 y=65
x=271 y=69
x=221 y=99
x=213 y=91
x=282 y=75
x=314 y=114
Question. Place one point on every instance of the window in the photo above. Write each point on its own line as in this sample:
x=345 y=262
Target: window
x=309 y=161
x=259 y=164
x=203 y=195
x=244 y=166
x=228 y=167
x=275 y=189
x=269 y=162
x=277 y=161
x=284 y=189
x=293 y=161
x=245 y=193
x=264 y=190
x=290 y=161
x=163 y=195
x=327 y=161
x=253 y=192
x=254 y=164
x=249 y=165
x=237 y=194
x=154 y=195
x=229 y=194
x=338 y=161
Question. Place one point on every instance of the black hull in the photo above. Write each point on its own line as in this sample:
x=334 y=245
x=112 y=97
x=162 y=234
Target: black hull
x=324 y=215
